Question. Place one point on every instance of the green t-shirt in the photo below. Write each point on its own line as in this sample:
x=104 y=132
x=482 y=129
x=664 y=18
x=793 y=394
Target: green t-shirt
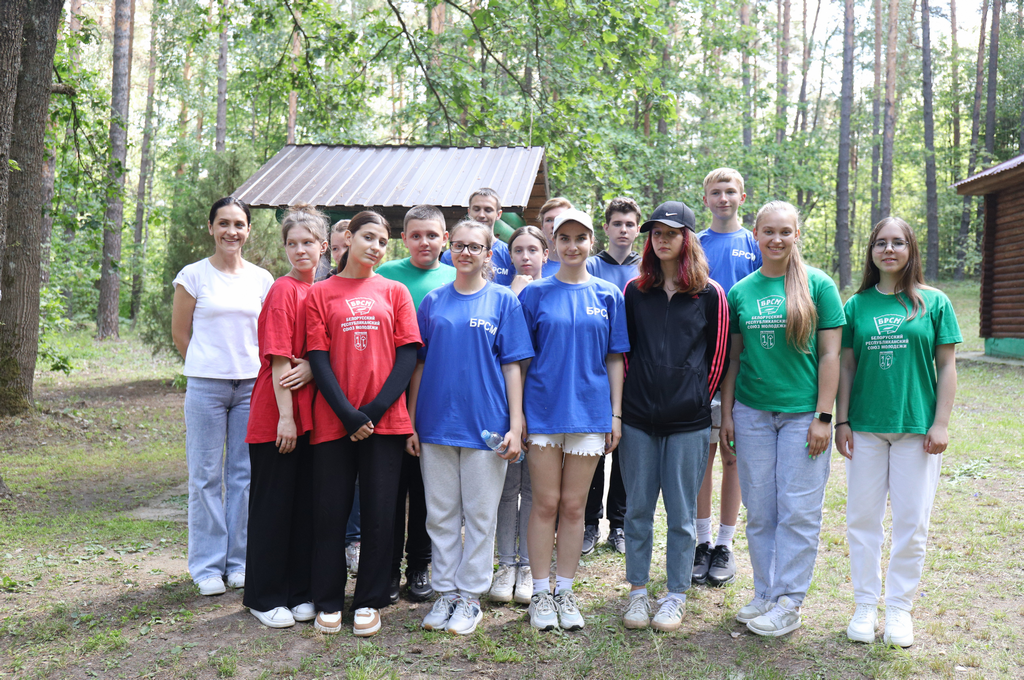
x=894 y=388
x=773 y=375
x=418 y=281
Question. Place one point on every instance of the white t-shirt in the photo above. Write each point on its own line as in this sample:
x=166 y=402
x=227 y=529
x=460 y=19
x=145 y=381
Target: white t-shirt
x=224 y=344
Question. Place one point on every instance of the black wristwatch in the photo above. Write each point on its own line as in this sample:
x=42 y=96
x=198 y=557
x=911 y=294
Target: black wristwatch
x=823 y=417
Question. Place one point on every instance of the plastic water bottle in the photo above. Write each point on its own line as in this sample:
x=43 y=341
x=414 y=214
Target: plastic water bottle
x=494 y=440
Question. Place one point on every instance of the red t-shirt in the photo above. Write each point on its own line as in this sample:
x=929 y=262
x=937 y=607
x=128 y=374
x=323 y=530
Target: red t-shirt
x=360 y=322
x=281 y=331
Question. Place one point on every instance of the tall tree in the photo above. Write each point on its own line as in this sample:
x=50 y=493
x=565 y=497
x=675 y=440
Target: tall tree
x=107 y=313
x=145 y=162
x=993 y=72
x=782 y=74
x=876 y=114
x=972 y=156
x=19 y=276
x=843 y=171
x=889 y=127
x=222 y=81
x=12 y=19
x=293 y=95
x=931 y=268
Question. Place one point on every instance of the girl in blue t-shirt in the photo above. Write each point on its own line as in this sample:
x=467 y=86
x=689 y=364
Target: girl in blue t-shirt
x=529 y=251
x=474 y=336
x=572 y=397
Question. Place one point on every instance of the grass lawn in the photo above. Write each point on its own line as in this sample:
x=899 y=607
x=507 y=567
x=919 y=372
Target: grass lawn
x=93 y=578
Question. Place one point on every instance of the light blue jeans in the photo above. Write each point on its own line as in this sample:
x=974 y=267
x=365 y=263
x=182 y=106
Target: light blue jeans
x=216 y=417
x=783 y=490
x=674 y=465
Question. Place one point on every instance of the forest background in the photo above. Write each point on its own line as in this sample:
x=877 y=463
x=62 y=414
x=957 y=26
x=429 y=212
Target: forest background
x=121 y=121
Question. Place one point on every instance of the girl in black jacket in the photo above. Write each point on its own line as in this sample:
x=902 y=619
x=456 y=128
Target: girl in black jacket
x=678 y=324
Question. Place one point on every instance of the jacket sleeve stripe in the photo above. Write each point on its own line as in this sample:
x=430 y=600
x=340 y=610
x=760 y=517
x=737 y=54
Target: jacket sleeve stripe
x=721 y=341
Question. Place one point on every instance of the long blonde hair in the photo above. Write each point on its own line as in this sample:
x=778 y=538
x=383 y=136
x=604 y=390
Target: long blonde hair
x=801 y=313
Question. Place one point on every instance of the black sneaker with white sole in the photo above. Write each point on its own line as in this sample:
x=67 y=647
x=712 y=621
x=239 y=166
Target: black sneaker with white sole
x=701 y=563
x=617 y=541
x=722 y=569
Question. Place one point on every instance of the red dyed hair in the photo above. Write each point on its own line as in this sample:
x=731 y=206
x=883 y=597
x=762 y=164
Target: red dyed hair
x=692 y=274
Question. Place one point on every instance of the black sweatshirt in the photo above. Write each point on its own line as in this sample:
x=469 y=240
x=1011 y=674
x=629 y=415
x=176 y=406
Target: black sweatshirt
x=679 y=352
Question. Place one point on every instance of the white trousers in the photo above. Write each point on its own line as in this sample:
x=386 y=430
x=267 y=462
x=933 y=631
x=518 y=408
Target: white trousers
x=457 y=483
x=895 y=465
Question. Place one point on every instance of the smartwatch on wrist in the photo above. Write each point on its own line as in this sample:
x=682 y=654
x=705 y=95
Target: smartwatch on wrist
x=823 y=417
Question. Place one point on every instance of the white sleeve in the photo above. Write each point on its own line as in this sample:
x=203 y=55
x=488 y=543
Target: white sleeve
x=189 y=279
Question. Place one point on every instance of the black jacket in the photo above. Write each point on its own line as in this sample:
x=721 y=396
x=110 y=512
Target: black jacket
x=679 y=352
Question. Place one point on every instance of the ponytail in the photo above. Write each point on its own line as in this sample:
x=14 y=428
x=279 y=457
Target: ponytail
x=801 y=313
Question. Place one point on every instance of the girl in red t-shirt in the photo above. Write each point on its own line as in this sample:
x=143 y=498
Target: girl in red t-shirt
x=280 y=548
x=361 y=337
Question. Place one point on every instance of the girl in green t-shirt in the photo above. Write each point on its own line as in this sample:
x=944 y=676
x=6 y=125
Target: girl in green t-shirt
x=777 y=397
x=896 y=388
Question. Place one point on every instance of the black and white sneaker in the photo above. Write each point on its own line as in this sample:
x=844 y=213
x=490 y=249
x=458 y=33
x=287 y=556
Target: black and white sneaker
x=591 y=535
x=701 y=563
x=722 y=569
x=617 y=541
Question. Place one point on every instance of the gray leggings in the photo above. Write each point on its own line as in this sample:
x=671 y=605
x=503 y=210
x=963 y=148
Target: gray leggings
x=513 y=515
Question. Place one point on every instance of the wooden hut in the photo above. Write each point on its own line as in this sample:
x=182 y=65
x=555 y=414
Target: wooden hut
x=1002 y=256
x=342 y=180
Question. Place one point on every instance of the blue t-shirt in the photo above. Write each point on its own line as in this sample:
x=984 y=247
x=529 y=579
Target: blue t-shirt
x=466 y=339
x=731 y=256
x=573 y=327
x=603 y=266
x=550 y=268
x=504 y=272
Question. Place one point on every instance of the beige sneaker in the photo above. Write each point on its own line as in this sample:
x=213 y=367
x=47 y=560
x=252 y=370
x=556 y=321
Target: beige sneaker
x=328 y=622
x=366 y=623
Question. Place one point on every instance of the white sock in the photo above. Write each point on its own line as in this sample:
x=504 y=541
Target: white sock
x=542 y=585
x=562 y=583
x=725 y=534
x=637 y=593
x=676 y=596
x=703 y=530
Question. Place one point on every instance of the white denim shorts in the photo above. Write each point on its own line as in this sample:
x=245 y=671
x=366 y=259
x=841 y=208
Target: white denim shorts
x=577 y=443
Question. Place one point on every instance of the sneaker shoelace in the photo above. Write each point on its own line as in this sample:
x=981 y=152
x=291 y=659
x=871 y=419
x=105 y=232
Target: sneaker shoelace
x=638 y=606
x=863 y=613
x=777 y=613
x=669 y=605
x=545 y=604
x=568 y=602
x=721 y=557
x=443 y=605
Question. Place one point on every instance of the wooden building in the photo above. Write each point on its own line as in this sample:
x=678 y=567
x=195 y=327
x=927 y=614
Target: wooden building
x=342 y=180
x=1002 y=256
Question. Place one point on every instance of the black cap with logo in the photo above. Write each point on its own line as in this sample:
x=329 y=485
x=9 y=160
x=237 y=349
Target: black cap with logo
x=675 y=214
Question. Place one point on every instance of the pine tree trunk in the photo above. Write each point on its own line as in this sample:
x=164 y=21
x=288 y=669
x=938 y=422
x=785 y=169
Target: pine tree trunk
x=748 y=135
x=993 y=71
x=955 y=89
x=12 y=17
x=782 y=101
x=805 y=68
x=931 y=268
x=222 y=81
x=19 y=277
x=46 y=222
x=843 y=171
x=139 y=249
x=293 y=96
x=107 y=313
x=972 y=155
x=876 y=114
x=889 y=127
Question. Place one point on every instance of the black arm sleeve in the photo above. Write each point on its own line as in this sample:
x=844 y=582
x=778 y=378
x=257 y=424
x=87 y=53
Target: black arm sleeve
x=327 y=383
x=395 y=385
x=719 y=341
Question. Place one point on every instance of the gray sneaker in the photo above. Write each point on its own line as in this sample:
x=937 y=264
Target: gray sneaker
x=441 y=612
x=569 y=617
x=638 y=613
x=465 y=617
x=756 y=608
x=617 y=541
x=543 y=615
x=591 y=535
x=783 y=618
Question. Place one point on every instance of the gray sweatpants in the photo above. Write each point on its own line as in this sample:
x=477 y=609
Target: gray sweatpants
x=462 y=482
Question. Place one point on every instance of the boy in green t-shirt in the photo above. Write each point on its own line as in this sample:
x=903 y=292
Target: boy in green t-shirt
x=424 y=234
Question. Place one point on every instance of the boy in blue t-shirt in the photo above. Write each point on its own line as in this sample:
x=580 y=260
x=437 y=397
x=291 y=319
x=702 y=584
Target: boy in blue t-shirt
x=732 y=254
x=485 y=207
x=617 y=264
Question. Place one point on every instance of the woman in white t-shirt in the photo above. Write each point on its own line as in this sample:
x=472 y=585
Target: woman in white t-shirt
x=213 y=323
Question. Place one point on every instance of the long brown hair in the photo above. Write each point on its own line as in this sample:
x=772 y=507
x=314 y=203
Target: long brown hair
x=692 y=272
x=911 y=279
x=801 y=313
x=365 y=218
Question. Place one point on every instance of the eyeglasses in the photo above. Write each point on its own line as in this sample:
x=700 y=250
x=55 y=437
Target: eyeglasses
x=898 y=245
x=473 y=248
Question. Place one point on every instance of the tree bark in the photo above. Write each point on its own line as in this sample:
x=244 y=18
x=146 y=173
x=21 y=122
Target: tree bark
x=805 y=68
x=293 y=96
x=748 y=118
x=12 y=18
x=876 y=114
x=955 y=89
x=993 y=64
x=889 y=127
x=843 y=171
x=782 y=101
x=107 y=313
x=222 y=81
x=972 y=156
x=19 y=278
x=139 y=249
x=931 y=267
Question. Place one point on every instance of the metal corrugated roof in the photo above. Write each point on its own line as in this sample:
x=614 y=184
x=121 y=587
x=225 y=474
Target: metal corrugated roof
x=356 y=177
x=991 y=179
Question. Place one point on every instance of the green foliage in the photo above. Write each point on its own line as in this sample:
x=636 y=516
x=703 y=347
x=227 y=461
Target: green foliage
x=53 y=324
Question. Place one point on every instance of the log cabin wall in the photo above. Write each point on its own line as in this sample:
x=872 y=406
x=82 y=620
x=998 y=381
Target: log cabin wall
x=1002 y=310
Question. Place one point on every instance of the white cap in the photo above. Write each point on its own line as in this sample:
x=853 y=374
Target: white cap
x=573 y=215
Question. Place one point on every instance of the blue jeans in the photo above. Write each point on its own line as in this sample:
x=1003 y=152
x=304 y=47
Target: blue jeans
x=216 y=417
x=783 y=490
x=674 y=465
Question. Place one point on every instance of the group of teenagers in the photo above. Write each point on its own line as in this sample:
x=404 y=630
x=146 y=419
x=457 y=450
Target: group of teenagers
x=393 y=374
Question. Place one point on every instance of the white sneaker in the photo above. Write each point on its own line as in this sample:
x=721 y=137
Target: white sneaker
x=543 y=614
x=504 y=584
x=783 y=618
x=670 y=615
x=303 y=612
x=899 y=627
x=569 y=617
x=862 y=625
x=352 y=558
x=278 y=617
x=211 y=586
x=441 y=612
x=328 y=622
x=466 y=616
x=638 y=613
x=237 y=580
x=366 y=622
x=757 y=607
x=524 y=585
